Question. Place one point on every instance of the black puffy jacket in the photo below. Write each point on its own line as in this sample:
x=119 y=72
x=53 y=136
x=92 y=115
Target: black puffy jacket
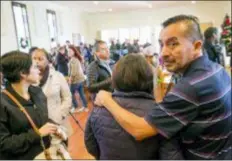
x=98 y=77
x=106 y=139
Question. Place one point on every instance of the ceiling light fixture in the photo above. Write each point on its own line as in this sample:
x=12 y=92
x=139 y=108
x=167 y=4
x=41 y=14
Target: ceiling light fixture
x=149 y=6
x=193 y=2
x=110 y=10
x=95 y=2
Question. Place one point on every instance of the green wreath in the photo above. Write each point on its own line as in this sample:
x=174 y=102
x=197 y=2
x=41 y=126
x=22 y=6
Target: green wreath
x=22 y=44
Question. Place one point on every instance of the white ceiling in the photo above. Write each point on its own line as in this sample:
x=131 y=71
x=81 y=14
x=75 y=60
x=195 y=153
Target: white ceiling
x=104 y=6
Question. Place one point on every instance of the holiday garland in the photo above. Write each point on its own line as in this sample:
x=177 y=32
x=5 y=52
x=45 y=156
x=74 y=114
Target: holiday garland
x=226 y=34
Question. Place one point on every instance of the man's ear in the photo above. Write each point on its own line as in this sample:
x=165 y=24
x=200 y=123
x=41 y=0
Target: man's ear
x=198 y=46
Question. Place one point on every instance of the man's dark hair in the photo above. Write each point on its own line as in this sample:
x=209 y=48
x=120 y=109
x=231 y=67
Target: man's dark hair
x=13 y=64
x=52 y=39
x=67 y=41
x=97 y=45
x=32 y=49
x=133 y=73
x=193 y=30
x=209 y=32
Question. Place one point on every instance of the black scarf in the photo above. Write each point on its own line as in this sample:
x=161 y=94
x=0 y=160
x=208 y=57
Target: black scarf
x=45 y=76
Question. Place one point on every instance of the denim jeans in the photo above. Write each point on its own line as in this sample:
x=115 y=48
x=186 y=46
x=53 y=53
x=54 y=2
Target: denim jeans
x=80 y=88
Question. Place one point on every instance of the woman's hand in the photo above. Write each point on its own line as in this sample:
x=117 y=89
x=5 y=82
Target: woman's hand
x=48 y=129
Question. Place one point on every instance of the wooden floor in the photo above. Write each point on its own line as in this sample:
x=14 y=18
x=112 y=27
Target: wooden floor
x=76 y=145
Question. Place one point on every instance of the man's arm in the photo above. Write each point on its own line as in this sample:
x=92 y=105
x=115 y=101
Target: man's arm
x=174 y=113
x=134 y=125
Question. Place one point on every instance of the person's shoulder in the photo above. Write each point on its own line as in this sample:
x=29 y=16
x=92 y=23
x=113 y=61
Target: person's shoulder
x=57 y=74
x=4 y=100
x=183 y=90
x=93 y=64
x=5 y=103
x=37 y=92
x=139 y=103
x=205 y=73
x=99 y=114
x=73 y=61
x=35 y=89
x=99 y=111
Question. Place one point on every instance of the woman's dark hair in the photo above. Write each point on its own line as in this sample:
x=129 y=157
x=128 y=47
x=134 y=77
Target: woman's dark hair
x=76 y=52
x=133 y=73
x=13 y=64
x=32 y=49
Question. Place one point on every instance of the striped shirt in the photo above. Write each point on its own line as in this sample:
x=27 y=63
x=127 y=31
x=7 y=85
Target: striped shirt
x=198 y=111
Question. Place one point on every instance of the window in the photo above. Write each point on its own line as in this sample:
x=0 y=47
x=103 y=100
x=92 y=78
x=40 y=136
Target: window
x=156 y=41
x=145 y=35
x=105 y=35
x=108 y=35
x=52 y=27
x=21 y=26
x=124 y=34
x=134 y=33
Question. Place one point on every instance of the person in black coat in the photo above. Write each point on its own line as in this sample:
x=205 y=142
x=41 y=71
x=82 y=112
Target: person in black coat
x=99 y=71
x=18 y=140
x=211 y=38
x=62 y=61
x=105 y=139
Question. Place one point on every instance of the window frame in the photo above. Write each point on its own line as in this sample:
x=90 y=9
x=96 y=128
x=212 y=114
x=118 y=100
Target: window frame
x=13 y=3
x=49 y=11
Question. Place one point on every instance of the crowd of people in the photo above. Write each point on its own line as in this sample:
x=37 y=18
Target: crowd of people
x=192 y=120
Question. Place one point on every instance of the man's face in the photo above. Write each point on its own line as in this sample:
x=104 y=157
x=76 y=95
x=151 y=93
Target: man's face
x=103 y=52
x=177 y=50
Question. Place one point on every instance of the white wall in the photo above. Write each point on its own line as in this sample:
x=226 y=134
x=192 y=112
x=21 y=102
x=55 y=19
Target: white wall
x=208 y=11
x=69 y=21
